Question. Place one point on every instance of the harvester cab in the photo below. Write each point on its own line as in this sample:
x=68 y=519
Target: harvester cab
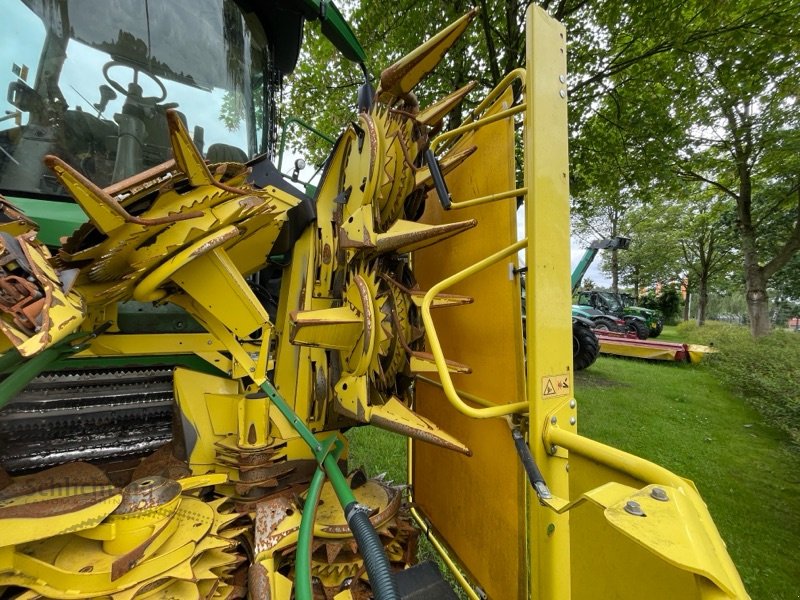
x=208 y=460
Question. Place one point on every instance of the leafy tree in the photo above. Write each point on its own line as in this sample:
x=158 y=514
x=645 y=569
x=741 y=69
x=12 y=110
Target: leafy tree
x=746 y=141
x=660 y=93
x=704 y=223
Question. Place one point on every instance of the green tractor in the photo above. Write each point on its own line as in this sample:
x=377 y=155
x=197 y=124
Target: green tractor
x=654 y=317
x=644 y=322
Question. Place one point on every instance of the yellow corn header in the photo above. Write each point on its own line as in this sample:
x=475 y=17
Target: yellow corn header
x=399 y=307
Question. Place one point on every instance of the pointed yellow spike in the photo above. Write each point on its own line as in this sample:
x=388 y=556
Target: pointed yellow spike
x=399 y=79
x=199 y=481
x=187 y=157
x=396 y=416
x=437 y=111
x=212 y=542
x=447 y=163
x=407 y=236
x=281 y=586
x=212 y=559
x=423 y=362
x=439 y=300
x=104 y=211
x=234 y=532
x=331 y=328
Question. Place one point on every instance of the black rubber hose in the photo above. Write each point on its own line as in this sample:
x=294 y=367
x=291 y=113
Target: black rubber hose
x=378 y=568
x=531 y=468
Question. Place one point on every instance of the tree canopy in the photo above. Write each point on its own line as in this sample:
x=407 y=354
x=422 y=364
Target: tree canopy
x=684 y=122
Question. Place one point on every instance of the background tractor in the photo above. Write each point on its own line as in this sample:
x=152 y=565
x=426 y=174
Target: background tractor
x=180 y=369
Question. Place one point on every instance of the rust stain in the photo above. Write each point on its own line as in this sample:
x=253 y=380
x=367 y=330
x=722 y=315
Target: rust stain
x=57 y=505
x=71 y=474
x=269 y=515
x=418 y=434
x=214 y=242
x=258 y=582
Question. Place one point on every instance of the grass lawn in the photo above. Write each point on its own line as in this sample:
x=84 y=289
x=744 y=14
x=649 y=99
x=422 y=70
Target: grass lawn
x=680 y=417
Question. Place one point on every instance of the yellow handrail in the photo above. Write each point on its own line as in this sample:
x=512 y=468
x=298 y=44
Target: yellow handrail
x=473 y=121
x=523 y=191
x=503 y=114
x=435 y=347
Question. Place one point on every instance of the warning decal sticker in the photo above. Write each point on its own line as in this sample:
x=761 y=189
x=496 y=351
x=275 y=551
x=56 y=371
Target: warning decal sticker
x=555 y=385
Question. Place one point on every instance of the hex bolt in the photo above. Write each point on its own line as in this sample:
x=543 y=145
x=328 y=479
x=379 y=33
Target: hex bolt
x=562 y=93
x=632 y=508
x=659 y=494
x=561 y=78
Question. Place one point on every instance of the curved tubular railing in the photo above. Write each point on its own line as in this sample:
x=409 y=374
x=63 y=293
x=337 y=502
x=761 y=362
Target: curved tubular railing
x=435 y=347
x=523 y=191
x=474 y=121
x=462 y=393
x=503 y=114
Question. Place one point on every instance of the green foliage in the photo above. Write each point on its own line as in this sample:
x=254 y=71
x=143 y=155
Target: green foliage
x=668 y=301
x=765 y=370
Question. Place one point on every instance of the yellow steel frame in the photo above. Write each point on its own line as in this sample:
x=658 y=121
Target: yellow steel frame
x=605 y=477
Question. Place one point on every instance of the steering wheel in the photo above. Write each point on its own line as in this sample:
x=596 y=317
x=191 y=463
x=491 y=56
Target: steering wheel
x=136 y=71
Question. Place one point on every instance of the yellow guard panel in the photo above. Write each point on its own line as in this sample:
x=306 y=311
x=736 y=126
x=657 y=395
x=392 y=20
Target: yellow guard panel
x=477 y=503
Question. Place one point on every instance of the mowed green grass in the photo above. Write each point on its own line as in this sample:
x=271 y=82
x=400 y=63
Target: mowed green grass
x=678 y=416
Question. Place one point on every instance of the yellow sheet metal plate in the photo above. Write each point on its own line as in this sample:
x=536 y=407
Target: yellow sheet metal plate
x=477 y=503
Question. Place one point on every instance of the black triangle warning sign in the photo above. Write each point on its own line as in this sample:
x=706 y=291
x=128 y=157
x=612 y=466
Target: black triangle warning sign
x=555 y=385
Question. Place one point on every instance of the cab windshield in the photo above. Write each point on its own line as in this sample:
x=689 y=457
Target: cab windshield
x=90 y=81
x=611 y=301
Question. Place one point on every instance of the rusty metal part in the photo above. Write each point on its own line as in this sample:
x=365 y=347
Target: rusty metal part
x=269 y=514
x=145 y=179
x=147 y=493
x=22 y=300
x=258 y=581
x=62 y=502
x=73 y=474
x=162 y=462
x=60 y=168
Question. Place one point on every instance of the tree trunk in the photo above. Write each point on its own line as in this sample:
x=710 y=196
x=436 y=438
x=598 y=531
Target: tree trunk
x=687 y=302
x=702 y=300
x=614 y=271
x=757 y=301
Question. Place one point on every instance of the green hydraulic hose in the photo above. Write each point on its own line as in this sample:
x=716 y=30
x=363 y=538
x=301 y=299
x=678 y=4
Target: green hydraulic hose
x=22 y=375
x=302 y=577
x=24 y=372
x=375 y=559
x=10 y=359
